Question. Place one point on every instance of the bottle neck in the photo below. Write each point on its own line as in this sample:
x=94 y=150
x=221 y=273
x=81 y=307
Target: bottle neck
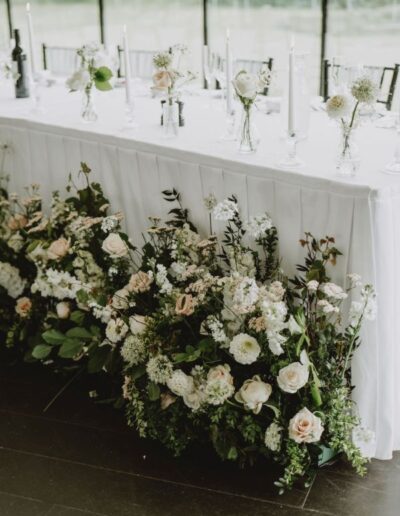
x=17 y=37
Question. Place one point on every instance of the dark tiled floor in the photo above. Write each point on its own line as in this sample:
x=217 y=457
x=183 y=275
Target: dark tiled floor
x=76 y=458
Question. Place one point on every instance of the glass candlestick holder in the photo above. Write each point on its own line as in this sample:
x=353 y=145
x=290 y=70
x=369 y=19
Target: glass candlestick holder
x=130 y=116
x=394 y=166
x=229 y=134
x=291 y=159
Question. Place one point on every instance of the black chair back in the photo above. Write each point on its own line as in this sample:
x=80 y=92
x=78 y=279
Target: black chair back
x=386 y=76
x=62 y=61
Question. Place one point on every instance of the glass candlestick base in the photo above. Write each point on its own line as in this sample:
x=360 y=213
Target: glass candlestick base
x=229 y=134
x=394 y=166
x=291 y=159
x=130 y=117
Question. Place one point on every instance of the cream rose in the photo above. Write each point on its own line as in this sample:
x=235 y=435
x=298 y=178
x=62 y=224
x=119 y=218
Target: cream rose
x=253 y=393
x=120 y=299
x=58 y=249
x=139 y=282
x=63 y=310
x=18 y=221
x=305 y=427
x=115 y=246
x=184 y=305
x=162 y=80
x=23 y=306
x=220 y=372
x=293 y=377
x=137 y=324
x=166 y=399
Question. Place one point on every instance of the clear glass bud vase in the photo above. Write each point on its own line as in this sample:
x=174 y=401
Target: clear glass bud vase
x=248 y=134
x=88 y=113
x=348 y=158
x=170 y=118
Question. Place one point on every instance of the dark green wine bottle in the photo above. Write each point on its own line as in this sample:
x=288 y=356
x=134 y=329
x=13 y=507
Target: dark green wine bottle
x=20 y=68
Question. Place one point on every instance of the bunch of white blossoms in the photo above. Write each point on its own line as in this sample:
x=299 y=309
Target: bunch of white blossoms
x=57 y=284
x=225 y=210
x=11 y=280
x=259 y=225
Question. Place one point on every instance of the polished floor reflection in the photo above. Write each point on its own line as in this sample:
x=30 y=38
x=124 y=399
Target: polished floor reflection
x=63 y=455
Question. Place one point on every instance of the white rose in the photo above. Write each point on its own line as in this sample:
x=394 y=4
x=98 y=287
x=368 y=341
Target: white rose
x=137 y=324
x=116 y=330
x=79 y=80
x=63 y=310
x=293 y=377
x=244 y=348
x=115 y=246
x=247 y=85
x=180 y=383
x=304 y=427
x=253 y=394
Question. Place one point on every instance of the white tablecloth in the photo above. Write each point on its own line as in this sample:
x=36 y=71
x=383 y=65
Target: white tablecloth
x=362 y=213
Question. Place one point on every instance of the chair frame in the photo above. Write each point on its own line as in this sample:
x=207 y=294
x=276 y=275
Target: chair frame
x=386 y=69
x=269 y=62
x=120 y=50
x=56 y=47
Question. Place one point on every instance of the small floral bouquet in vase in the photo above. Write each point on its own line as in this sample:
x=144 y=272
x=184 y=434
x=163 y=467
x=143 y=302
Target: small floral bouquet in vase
x=94 y=72
x=247 y=87
x=346 y=110
x=168 y=80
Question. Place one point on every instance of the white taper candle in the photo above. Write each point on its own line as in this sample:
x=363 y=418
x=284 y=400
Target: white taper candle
x=229 y=77
x=291 y=92
x=127 y=64
x=31 y=39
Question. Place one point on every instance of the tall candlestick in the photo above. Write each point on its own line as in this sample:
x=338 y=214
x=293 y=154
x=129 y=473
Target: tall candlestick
x=229 y=67
x=128 y=93
x=291 y=92
x=31 y=39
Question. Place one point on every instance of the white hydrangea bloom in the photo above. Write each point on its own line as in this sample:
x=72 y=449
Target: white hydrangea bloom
x=273 y=437
x=133 y=350
x=11 y=280
x=245 y=295
x=225 y=210
x=159 y=369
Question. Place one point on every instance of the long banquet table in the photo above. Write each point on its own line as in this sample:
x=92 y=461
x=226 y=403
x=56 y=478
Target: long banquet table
x=134 y=166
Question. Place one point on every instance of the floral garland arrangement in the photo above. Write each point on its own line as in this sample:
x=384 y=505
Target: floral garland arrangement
x=168 y=77
x=345 y=109
x=213 y=342
x=63 y=313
